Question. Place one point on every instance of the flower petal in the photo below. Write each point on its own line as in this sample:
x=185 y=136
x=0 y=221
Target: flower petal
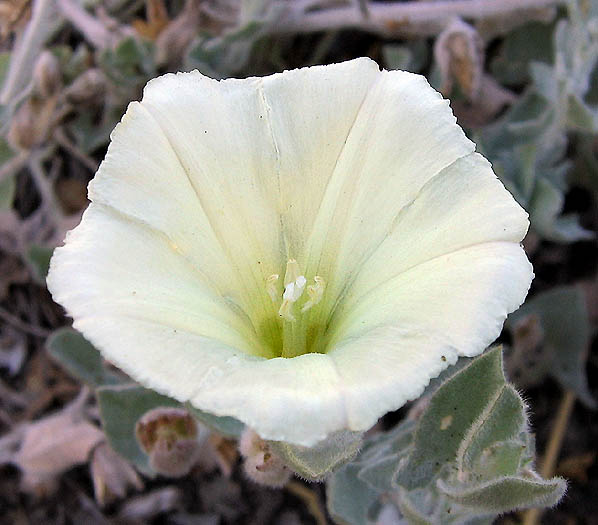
x=113 y=266
x=312 y=112
x=463 y=205
x=259 y=151
x=406 y=331
x=404 y=135
x=295 y=400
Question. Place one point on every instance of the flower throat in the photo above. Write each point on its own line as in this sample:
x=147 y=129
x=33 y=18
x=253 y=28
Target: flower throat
x=299 y=329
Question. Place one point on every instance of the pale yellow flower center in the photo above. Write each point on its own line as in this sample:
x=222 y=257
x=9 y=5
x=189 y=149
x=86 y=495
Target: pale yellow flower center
x=295 y=322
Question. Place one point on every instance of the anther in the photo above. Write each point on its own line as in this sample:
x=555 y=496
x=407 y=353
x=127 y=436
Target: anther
x=315 y=293
x=271 y=287
x=294 y=284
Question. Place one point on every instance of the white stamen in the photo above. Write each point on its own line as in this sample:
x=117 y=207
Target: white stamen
x=294 y=286
x=315 y=293
x=292 y=292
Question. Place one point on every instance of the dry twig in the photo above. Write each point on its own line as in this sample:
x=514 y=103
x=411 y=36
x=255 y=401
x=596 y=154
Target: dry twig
x=310 y=499
x=398 y=18
x=532 y=516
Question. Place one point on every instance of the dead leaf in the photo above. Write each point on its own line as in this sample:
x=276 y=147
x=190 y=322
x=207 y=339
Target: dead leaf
x=576 y=467
x=157 y=19
x=14 y=15
x=491 y=99
x=32 y=123
x=53 y=445
x=112 y=475
x=144 y=508
x=178 y=34
x=459 y=53
x=13 y=350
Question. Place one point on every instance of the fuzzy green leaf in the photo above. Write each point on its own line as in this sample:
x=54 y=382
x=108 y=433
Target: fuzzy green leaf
x=529 y=43
x=499 y=459
x=120 y=409
x=348 y=498
x=563 y=316
x=410 y=510
x=451 y=413
x=225 y=425
x=38 y=258
x=79 y=357
x=507 y=493
x=501 y=420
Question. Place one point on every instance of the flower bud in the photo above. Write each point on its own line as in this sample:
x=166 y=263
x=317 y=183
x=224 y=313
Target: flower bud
x=260 y=463
x=47 y=78
x=22 y=133
x=87 y=88
x=170 y=438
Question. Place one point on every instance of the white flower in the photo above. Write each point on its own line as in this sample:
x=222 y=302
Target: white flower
x=335 y=215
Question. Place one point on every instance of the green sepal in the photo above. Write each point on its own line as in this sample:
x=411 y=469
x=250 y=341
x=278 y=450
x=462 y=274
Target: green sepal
x=315 y=463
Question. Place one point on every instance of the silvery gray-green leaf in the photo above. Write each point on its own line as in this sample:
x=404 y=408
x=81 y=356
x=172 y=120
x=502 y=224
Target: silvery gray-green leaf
x=506 y=493
x=381 y=464
x=467 y=458
x=348 y=498
x=531 y=42
x=563 y=318
x=38 y=259
x=120 y=408
x=225 y=425
x=80 y=358
x=450 y=415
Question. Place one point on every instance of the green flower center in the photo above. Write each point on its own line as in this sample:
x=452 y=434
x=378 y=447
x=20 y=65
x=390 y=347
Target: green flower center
x=295 y=330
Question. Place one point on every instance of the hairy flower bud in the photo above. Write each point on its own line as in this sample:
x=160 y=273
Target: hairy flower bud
x=170 y=438
x=47 y=78
x=87 y=88
x=260 y=463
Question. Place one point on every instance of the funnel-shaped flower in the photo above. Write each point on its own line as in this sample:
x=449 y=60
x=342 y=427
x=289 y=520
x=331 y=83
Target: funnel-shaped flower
x=302 y=251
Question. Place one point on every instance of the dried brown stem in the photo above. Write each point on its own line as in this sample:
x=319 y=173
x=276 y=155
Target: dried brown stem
x=310 y=499
x=399 y=18
x=532 y=516
x=24 y=326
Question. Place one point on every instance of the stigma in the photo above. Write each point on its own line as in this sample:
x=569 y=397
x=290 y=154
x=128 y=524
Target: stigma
x=295 y=284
